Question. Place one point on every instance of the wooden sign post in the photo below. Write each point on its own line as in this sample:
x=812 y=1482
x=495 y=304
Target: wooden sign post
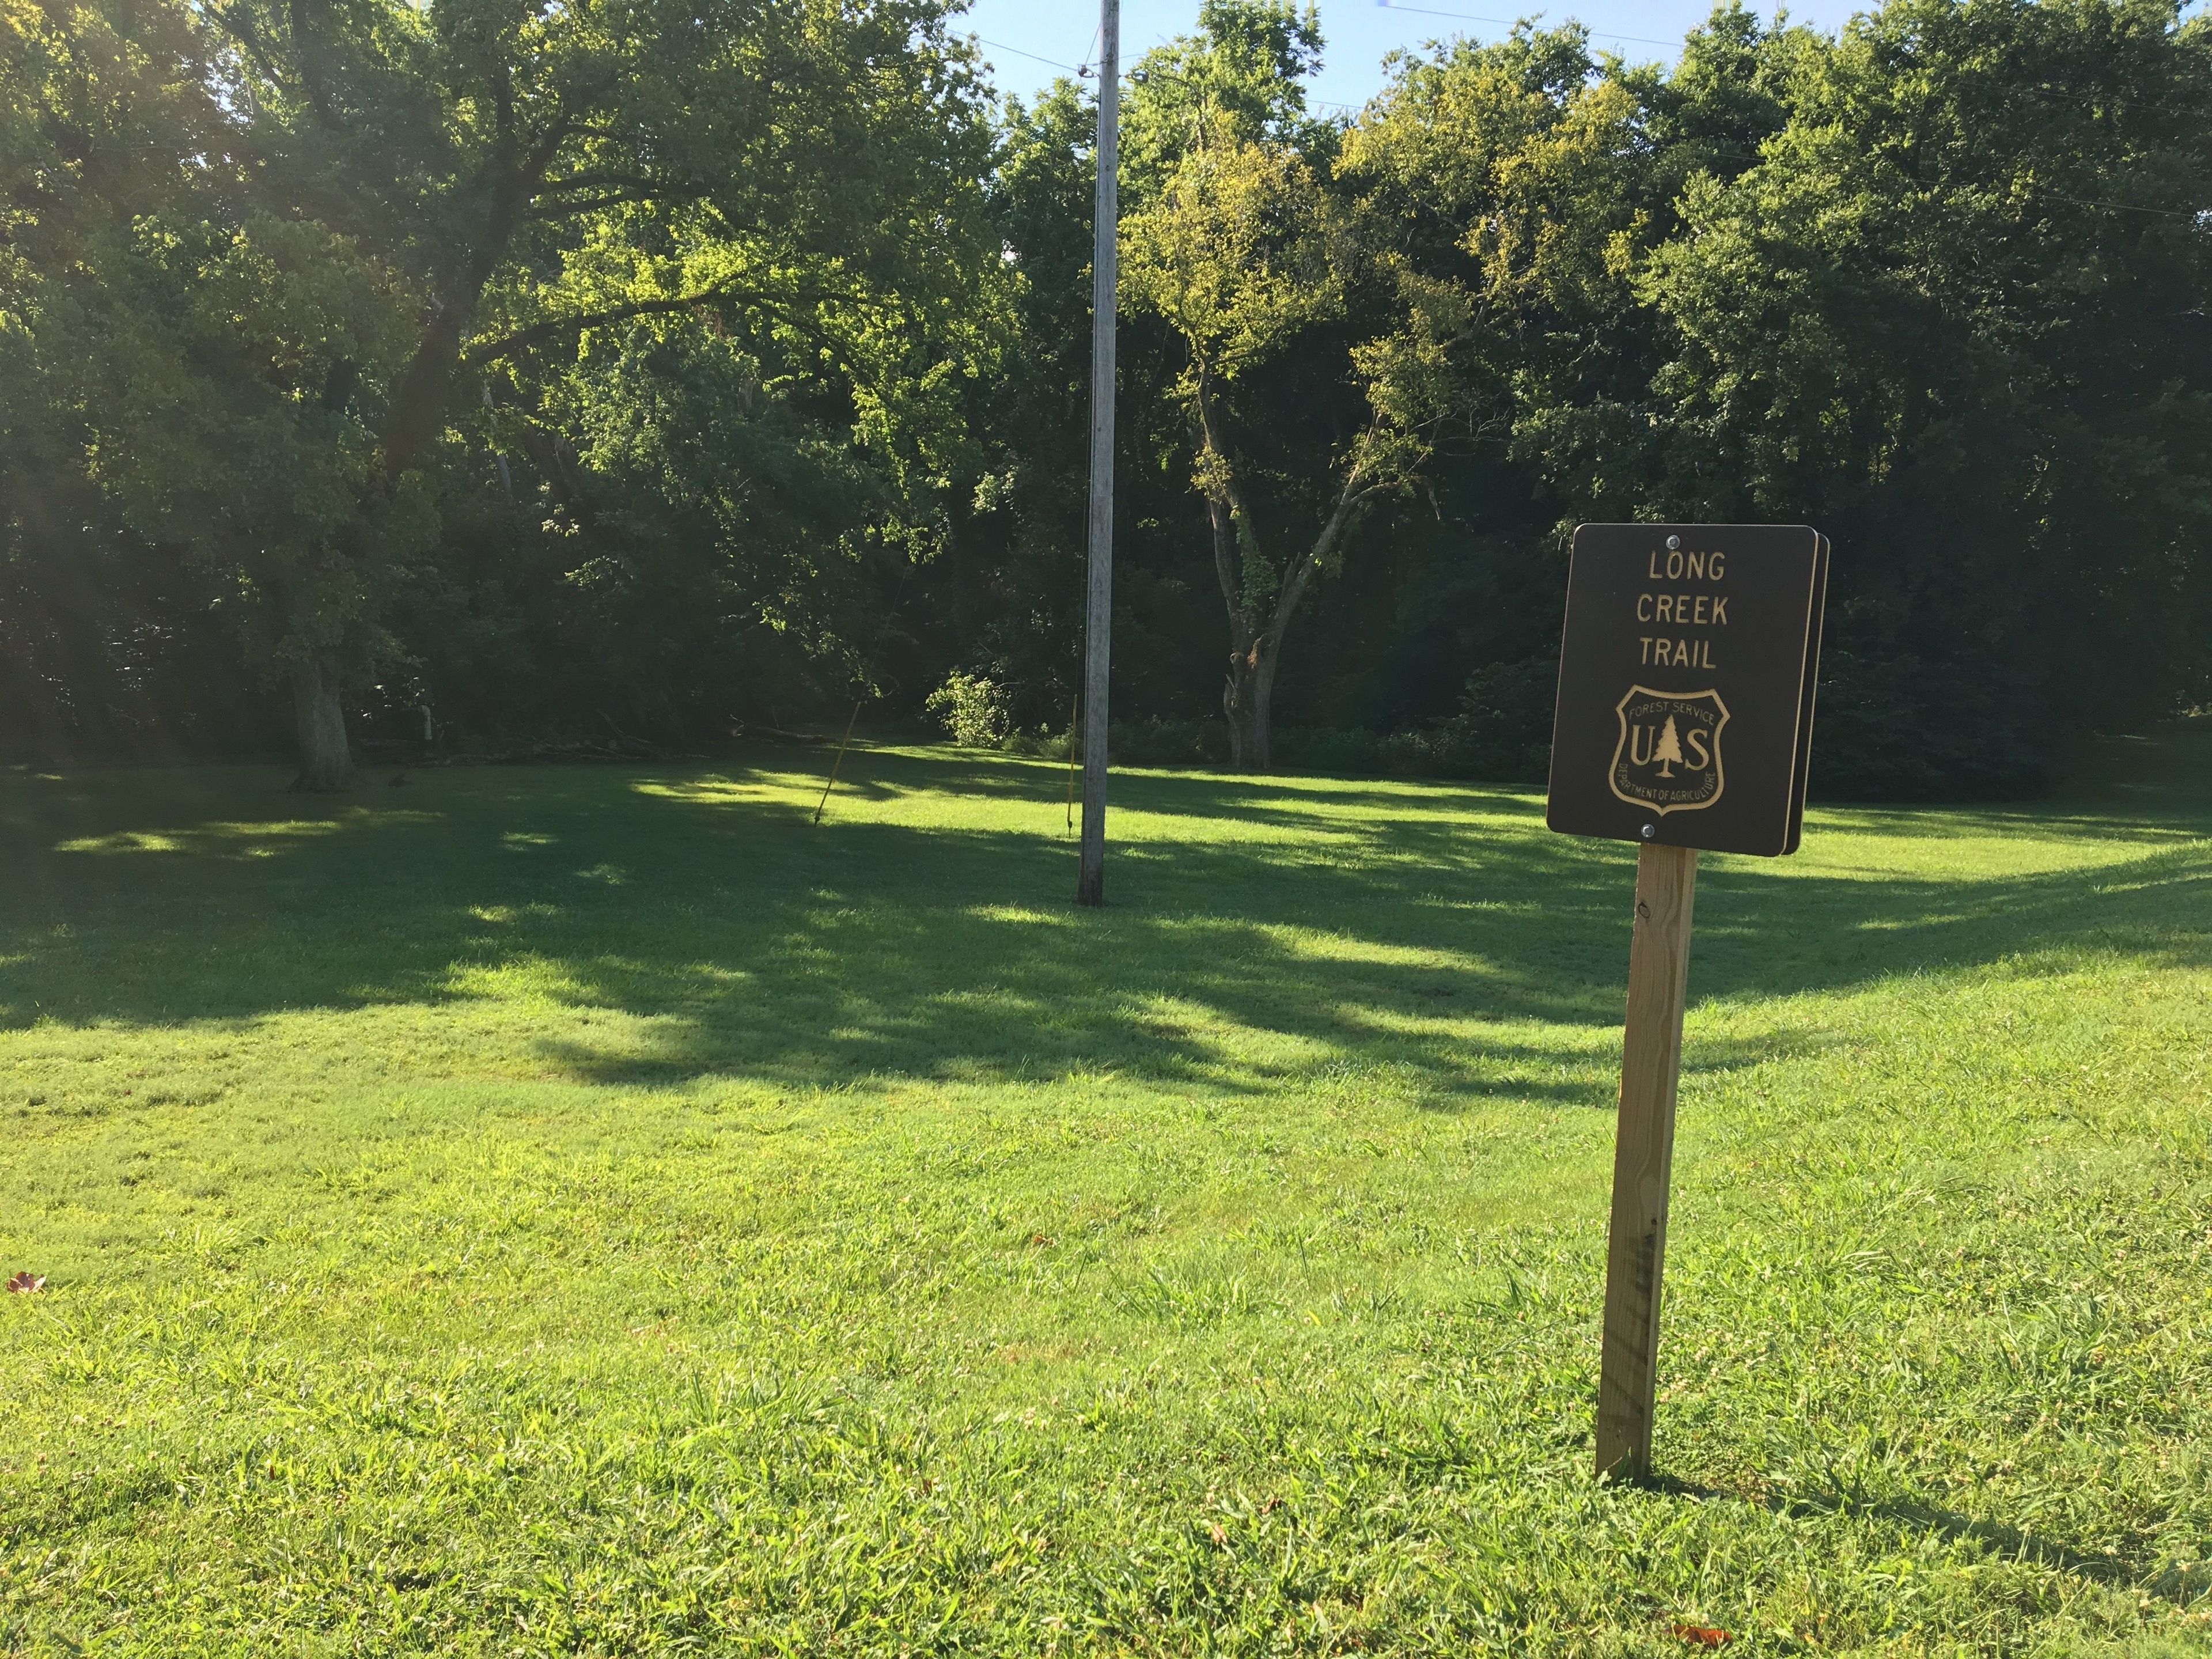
x=1684 y=720
x=1643 y=1157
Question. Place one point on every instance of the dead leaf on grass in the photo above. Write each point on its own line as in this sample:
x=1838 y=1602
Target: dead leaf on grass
x=26 y=1283
x=1703 y=1636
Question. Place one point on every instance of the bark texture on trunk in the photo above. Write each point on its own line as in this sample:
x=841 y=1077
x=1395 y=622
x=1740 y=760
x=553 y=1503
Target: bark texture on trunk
x=325 y=756
x=1246 y=696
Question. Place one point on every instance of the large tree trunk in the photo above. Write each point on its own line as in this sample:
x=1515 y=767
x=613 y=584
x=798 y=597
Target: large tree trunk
x=1246 y=698
x=1250 y=679
x=1260 y=604
x=325 y=757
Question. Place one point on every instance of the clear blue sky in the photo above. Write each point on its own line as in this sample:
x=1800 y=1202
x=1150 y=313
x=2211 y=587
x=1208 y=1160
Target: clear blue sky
x=1359 y=32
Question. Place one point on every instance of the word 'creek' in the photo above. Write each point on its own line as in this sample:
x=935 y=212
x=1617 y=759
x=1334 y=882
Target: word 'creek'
x=1683 y=608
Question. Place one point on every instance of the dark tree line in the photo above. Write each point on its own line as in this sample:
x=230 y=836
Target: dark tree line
x=503 y=371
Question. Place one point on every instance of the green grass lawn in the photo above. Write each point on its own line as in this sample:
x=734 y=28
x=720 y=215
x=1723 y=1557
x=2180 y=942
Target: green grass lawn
x=584 y=1210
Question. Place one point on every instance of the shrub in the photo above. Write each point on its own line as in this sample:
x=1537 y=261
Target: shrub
x=972 y=710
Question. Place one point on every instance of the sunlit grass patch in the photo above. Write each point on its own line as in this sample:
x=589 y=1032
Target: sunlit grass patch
x=829 y=1239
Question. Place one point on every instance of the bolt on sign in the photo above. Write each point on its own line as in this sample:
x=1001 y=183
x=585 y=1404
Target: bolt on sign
x=1688 y=669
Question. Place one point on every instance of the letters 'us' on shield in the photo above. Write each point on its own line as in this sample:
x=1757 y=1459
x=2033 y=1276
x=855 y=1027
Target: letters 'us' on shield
x=1686 y=673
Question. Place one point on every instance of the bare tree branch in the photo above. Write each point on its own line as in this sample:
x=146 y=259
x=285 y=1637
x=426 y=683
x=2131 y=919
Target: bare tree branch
x=531 y=173
x=550 y=211
x=552 y=328
x=311 y=79
x=1356 y=491
x=636 y=181
x=242 y=30
x=784 y=309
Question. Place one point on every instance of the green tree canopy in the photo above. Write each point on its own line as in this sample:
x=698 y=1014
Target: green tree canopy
x=624 y=364
x=342 y=217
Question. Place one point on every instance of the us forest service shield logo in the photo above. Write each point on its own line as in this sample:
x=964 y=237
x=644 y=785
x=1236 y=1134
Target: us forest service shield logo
x=1669 y=758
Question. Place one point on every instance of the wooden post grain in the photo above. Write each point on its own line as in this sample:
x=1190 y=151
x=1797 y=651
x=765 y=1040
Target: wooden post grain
x=1643 y=1157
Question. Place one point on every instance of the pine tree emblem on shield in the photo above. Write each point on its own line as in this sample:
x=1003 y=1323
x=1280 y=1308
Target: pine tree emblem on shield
x=1669 y=758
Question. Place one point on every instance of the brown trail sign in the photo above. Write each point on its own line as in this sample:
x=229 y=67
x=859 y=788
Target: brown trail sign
x=1684 y=720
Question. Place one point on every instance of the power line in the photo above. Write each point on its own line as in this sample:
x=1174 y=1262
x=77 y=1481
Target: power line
x=1464 y=16
x=2201 y=215
x=1506 y=23
x=997 y=45
x=2091 y=100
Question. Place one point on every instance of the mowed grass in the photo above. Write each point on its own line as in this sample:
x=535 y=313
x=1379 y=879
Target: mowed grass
x=594 y=1211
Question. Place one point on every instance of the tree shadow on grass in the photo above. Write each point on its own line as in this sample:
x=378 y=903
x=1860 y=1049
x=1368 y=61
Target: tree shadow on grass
x=2003 y=1541
x=2011 y=1543
x=1261 y=933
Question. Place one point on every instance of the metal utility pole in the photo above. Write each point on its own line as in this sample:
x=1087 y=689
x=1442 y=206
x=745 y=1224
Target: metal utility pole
x=1098 y=630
